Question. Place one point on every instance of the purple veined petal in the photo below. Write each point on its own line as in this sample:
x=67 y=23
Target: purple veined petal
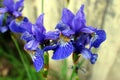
x=67 y=17
x=81 y=14
x=63 y=51
x=77 y=24
x=31 y=45
x=9 y=4
x=86 y=30
x=19 y=5
x=15 y=27
x=99 y=37
x=86 y=53
x=68 y=33
x=3 y=29
x=38 y=59
x=17 y=14
x=39 y=23
x=3 y=10
x=94 y=58
x=52 y=35
x=27 y=26
x=27 y=36
x=39 y=36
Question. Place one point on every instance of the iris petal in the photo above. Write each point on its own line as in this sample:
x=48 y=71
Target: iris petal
x=61 y=26
x=86 y=30
x=81 y=14
x=3 y=10
x=52 y=35
x=63 y=51
x=19 y=5
x=17 y=14
x=9 y=4
x=16 y=27
x=3 y=29
x=86 y=53
x=77 y=24
x=38 y=60
x=67 y=32
x=27 y=36
x=32 y=45
x=37 y=33
x=67 y=17
x=39 y=23
x=94 y=58
x=99 y=38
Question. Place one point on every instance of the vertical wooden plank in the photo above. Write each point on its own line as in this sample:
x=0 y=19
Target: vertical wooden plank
x=29 y=10
x=109 y=50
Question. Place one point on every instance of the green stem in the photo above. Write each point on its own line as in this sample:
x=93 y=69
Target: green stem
x=42 y=6
x=76 y=66
x=46 y=65
x=21 y=56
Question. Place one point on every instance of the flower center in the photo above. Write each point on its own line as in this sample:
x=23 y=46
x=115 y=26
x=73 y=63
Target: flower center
x=64 y=38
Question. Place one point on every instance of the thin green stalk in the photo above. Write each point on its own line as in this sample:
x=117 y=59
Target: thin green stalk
x=46 y=65
x=21 y=56
x=42 y=10
x=76 y=67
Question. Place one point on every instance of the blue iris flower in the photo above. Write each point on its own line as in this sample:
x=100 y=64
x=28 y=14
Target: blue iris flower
x=12 y=8
x=83 y=35
x=62 y=45
x=35 y=35
x=9 y=13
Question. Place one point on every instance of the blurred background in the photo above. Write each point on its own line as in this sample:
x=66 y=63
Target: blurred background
x=103 y=14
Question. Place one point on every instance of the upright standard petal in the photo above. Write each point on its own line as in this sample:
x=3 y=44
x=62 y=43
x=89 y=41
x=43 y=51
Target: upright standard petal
x=98 y=38
x=9 y=4
x=67 y=17
x=63 y=51
x=19 y=5
x=79 y=20
x=39 y=23
x=77 y=24
x=81 y=14
x=39 y=36
x=38 y=59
